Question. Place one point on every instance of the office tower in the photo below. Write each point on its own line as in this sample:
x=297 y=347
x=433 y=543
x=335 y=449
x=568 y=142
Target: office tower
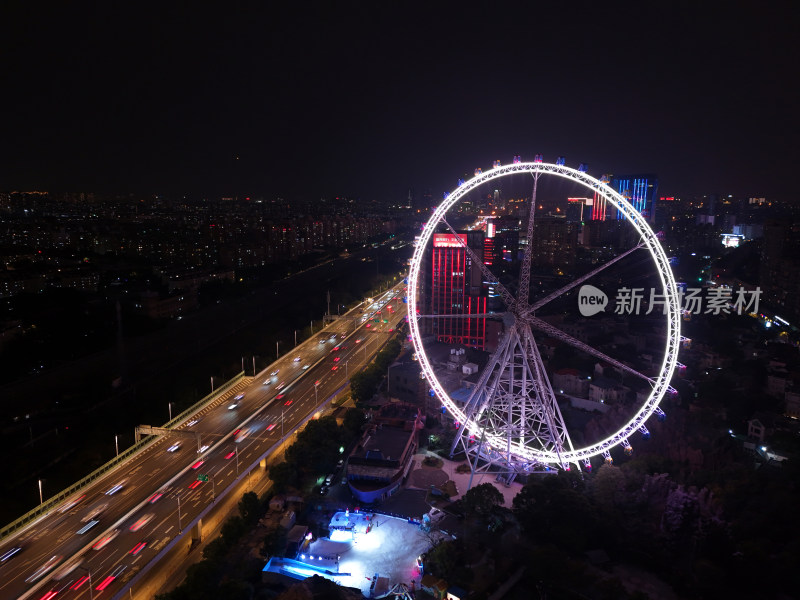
x=457 y=289
x=639 y=190
x=554 y=243
x=578 y=209
x=599 y=203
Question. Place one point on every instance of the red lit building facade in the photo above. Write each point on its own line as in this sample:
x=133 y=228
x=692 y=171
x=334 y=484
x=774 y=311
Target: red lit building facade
x=457 y=289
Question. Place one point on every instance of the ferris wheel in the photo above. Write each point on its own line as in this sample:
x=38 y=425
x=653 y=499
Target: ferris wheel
x=511 y=420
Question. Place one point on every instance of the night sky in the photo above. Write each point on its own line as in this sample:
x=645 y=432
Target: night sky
x=303 y=100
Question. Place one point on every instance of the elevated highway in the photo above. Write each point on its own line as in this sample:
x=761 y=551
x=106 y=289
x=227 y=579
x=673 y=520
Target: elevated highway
x=108 y=532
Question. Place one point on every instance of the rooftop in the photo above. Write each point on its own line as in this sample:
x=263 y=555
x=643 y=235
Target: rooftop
x=383 y=443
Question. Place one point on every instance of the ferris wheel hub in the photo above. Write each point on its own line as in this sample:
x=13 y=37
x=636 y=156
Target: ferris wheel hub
x=510 y=319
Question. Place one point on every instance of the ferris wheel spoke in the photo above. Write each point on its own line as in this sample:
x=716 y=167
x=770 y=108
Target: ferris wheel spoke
x=568 y=339
x=501 y=289
x=563 y=290
x=525 y=273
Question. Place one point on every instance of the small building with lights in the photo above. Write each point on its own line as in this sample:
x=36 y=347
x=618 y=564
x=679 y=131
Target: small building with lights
x=435 y=586
x=383 y=458
x=295 y=539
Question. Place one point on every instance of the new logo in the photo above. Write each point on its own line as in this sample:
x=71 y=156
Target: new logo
x=591 y=300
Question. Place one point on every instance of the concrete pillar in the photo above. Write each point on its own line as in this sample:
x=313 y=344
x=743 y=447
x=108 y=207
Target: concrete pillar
x=197 y=532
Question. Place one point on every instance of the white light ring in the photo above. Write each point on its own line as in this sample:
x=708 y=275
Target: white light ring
x=661 y=382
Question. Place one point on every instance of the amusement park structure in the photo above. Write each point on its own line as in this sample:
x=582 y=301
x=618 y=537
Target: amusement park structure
x=511 y=422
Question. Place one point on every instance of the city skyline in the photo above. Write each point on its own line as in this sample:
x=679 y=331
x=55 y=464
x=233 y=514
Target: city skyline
x=228 y=222
x=369 y=102
x=165 y=293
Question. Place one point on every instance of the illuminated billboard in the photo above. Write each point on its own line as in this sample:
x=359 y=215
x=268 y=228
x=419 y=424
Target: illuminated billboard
x=449 y=240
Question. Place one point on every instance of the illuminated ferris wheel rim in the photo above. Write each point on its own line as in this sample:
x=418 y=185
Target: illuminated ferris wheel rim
x=660 y=384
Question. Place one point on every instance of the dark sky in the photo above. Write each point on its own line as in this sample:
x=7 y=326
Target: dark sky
x=303 y=99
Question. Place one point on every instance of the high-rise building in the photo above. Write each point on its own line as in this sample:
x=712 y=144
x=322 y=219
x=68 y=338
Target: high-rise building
x=668 y=208
x=640 y=190
x=578 y=209
x=599 y=203
x=611 y=234
x=427 y=199
x=554 y=243
x=488 y=251
x=457 y=289
x=779 y=269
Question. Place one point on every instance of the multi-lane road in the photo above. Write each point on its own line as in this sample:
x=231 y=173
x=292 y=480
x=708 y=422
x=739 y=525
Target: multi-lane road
x=110 y=530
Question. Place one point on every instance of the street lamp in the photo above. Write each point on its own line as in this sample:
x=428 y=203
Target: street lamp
x=316 y=395
x=41 y=500
x=91 y=593
x=169 y=404
x=236 y=449
x=116 y=441
x=277 y=353
x=180 y=526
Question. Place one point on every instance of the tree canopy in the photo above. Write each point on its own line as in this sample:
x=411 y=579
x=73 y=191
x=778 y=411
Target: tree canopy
x=481 y=500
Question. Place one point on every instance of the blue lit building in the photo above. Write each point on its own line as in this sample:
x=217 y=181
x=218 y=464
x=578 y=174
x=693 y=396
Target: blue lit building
x=640 y=190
